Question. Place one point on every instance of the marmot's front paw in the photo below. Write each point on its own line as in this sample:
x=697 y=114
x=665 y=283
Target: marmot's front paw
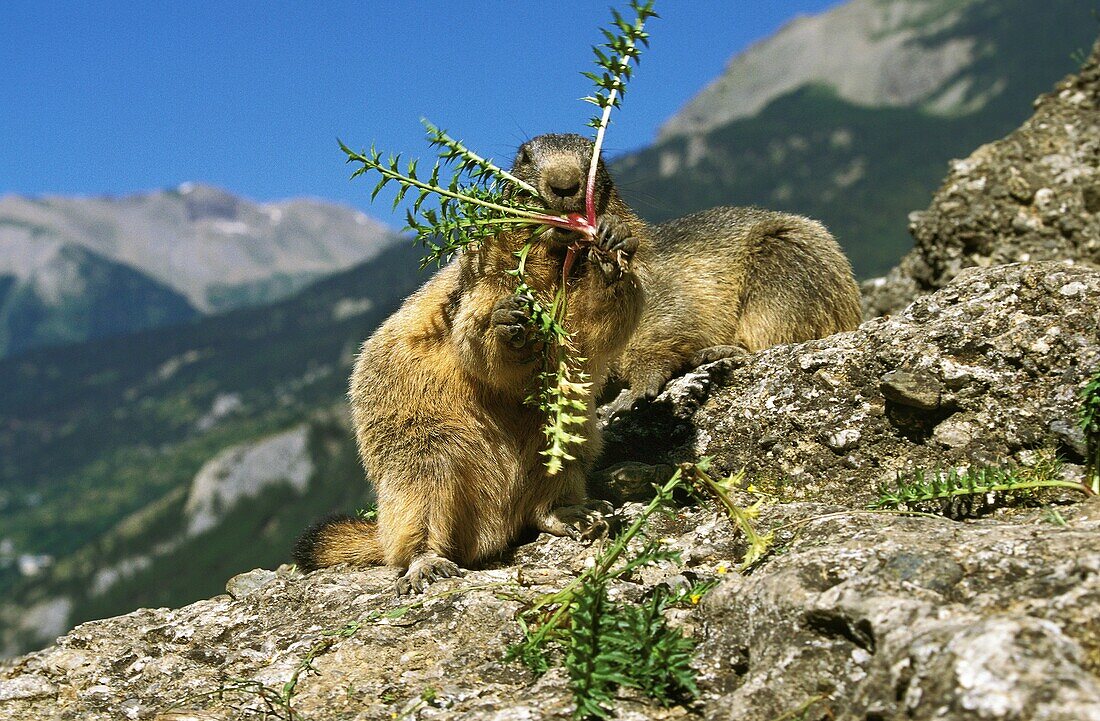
x=615 y=246
x=512 y=323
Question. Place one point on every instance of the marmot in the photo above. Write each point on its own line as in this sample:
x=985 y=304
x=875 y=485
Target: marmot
x=438 y=391
x=727 y=281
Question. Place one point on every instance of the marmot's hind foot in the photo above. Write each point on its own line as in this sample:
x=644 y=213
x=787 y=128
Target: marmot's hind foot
x=717 y=353
x=423 y=570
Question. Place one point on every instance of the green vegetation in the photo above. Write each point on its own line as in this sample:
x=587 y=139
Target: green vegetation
x=945 y=487
x=607 y=643
x=1090 y=425
x=705 y=486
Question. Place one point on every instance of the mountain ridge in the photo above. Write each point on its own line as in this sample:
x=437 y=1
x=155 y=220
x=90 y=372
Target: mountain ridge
x=809 y=148
x=194 y=244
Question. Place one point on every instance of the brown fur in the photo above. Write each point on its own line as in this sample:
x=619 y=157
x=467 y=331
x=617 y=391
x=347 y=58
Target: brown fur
x=730 y=280
x=437 y=396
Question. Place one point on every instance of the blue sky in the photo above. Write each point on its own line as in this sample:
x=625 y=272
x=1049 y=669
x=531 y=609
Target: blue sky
x=117 y=97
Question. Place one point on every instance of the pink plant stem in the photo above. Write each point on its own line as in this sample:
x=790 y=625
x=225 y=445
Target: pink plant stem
x=590 y=186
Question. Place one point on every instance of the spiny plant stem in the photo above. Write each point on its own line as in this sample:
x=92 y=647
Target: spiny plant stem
x=920 y=487
x=608 y=559
x=758 y=544
x=590 y=184
x=602 y=568
x=518 y=215
x=611 y=85
x=457 y=149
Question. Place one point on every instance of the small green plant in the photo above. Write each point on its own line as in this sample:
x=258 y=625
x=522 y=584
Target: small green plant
x=801 y=713
x=370 y=513
x=719 y=491
x=1051 y=515
x=279 y=702
x=606 y=644
x=944 y=487
x=480 y=199
x=1090 y=426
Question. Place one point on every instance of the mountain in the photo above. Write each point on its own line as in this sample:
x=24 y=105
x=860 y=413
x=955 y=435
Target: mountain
x=80 y=268
x=140 y=470
x=851 y=116
x=76 y=294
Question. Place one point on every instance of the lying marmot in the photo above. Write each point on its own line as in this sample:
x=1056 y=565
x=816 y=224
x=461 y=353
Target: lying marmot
x=727 y=281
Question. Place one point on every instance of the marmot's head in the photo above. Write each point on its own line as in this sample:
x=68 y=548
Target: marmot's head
x=557 y=166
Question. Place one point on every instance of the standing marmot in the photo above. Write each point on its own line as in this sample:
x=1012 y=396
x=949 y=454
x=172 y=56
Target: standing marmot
x=726 y=281
x=438 y=391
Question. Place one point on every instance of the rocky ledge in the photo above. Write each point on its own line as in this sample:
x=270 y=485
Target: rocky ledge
x=1034 y=195
x=851 y=615
x=986 y=371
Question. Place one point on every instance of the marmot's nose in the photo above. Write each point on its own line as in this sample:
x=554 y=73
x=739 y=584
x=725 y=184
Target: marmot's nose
x=563 y=180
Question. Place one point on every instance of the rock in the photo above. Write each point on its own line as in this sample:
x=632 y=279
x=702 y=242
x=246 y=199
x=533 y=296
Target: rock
x=244 y=471
x=983 y=372
x=901 y=617
x=1035 y=195
x=916 y=390
x=629 y=481
x=27 y=687
x=243 y=584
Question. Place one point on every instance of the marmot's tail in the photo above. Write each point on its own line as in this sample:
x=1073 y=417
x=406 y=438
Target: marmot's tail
x=341 y=539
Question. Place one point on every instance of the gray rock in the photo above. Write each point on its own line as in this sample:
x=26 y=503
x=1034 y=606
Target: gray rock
x=986 y=371
x=917 y=390
x=243 y=584
x=900 y=617
x=1031 y=196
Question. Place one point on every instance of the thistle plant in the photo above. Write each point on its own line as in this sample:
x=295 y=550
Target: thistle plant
x=920 y=487
x=719 y=491
x=479 y=200
x=1090 y=426
x=622 y=49
x=475 y=203
x=606 y=643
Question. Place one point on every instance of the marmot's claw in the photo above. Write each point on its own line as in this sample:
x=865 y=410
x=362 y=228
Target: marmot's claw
x=511 y=321
x=614 y=236
x=716 y=353
x=615 y=245
x=425 y=569
x=581 y=523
